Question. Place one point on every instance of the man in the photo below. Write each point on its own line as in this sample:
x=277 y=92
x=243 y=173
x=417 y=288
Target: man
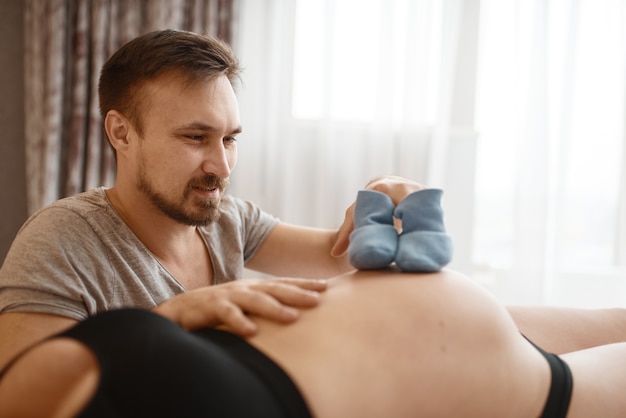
x=165 y=231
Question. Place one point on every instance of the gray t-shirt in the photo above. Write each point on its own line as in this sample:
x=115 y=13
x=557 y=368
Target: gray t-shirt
x=77 y=257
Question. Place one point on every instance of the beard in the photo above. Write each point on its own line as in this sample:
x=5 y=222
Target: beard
x=187 y=209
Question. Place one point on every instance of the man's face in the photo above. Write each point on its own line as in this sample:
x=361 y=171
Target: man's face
x=188 y=148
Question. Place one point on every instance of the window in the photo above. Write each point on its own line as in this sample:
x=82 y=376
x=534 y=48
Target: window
x=550 y=189
x=353 y=58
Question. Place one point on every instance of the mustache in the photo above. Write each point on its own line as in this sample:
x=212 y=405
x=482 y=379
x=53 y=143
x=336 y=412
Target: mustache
x=210 y=182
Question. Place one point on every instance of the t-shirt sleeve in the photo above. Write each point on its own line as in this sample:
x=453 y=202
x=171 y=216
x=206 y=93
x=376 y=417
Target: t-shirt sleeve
x=50 y=267
x=257 y=225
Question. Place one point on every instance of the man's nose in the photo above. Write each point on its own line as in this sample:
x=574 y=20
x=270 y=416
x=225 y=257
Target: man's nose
x=216 y=161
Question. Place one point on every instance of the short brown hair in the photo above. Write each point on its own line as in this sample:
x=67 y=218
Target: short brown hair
x=146 y=57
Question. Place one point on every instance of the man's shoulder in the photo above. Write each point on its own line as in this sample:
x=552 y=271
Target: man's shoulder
x=86 y=207
x=94 y=199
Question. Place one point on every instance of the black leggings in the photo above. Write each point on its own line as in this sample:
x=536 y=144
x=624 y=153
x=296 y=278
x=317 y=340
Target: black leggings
x=150 y=367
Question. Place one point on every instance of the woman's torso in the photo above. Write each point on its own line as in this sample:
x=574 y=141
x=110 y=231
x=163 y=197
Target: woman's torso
x=397 y=344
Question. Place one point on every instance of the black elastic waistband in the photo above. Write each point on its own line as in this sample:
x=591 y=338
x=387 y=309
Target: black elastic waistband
x=560 y=388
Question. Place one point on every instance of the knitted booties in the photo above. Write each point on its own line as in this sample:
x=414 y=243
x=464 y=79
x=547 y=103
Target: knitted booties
x=374 y=241
x=423 y=245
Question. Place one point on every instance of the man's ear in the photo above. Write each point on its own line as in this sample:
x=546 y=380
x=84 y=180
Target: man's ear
x=118 y=129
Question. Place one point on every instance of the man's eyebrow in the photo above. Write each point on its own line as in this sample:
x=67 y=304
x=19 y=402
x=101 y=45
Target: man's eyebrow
x=207 y=128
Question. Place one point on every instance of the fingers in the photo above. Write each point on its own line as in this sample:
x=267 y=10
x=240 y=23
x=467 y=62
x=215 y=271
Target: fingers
x=229 y=304
x=396 y=187
x=302 y=293
x=233 y=318
x=343 y=235
x=277 y=300
x=307 y=284
x=343 y=240
x=266 y=305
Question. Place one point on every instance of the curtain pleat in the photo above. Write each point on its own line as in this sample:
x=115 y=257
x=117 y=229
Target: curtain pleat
x=43 y=98
x=99 y=162
x=66 y=44
x=77 y=91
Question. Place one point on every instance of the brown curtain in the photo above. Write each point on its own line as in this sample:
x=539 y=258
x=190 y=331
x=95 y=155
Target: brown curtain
x=66 y=44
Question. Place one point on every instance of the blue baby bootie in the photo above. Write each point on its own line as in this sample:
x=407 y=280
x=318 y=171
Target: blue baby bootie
x=423 y=245
x=374 y=241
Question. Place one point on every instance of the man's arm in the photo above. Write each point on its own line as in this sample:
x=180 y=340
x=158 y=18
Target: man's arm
x=562 y=330
x=296 y=251
x=21 y=330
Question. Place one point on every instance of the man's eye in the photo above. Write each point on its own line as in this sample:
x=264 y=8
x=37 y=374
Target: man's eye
x=195 y=137
x=230 y=140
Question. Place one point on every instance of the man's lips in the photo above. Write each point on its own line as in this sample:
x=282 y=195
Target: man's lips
x=207 y=191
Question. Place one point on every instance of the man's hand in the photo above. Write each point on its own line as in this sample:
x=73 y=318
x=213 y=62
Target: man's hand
x=228 y=303
x=397 y=188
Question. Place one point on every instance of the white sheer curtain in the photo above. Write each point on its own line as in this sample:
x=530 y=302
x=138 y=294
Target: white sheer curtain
x=529 y=147
x=550 y=181
x=338 y=91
